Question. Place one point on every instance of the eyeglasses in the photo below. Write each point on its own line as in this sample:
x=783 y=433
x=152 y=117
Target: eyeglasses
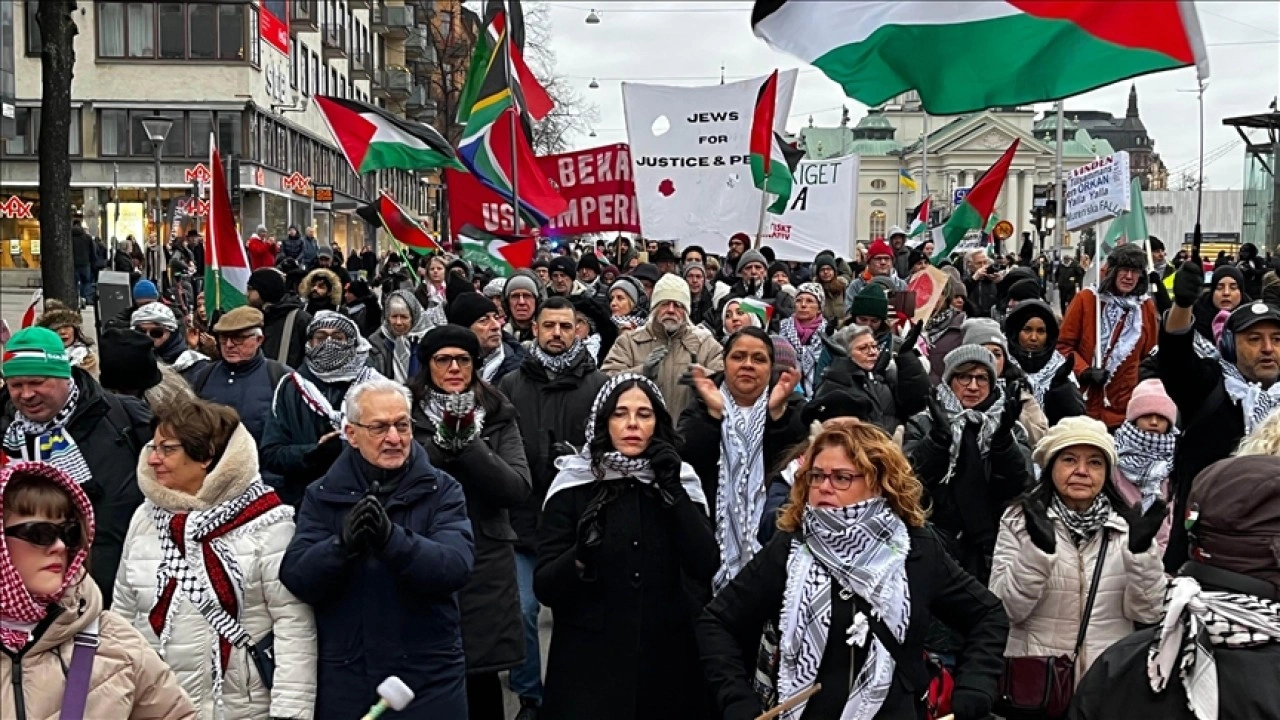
x=165 y=449
x=45 y=534
x=839 y=480
x=379 y=430
x=871 y=349
x=237 y=339
x=978 y=379
x=442 y=362
x=156 y=333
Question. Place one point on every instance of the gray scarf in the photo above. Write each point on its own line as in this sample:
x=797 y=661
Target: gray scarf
x=556 y=364
x=988 y=421
x=741 y=487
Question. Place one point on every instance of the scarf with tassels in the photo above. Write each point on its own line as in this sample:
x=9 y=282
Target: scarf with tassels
x=52 y=443
x=741 y=487
x=456 y=417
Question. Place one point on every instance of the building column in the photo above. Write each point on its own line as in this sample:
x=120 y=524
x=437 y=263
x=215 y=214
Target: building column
x=1028 y=199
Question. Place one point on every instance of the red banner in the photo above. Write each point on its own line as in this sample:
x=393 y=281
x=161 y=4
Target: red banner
x=596 y=183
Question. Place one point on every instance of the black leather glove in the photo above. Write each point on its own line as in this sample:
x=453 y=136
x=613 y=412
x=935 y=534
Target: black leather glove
x=560 y=449
x=665 y=462
x=1094 y=376
x=1039 y=526
x=354 y=536
x=913 y=335
x=1143 y=526
x=1187 y=284
x=590 y=534
x=941 y=431
x=1012 y=410
x=967 y=704
x=1063 y=372
x=377 y=524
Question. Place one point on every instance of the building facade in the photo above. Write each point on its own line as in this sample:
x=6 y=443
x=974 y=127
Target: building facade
x=241 y=73
x=1127 y=133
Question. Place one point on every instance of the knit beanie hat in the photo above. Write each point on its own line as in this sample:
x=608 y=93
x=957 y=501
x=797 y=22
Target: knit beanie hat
x=690 y=266
x=453 y=335
x=1150 y=398
x=631 y=287
x=751 y=256
x=156 y=313
x=493 y=288
x=983 y=331
x=824 y=259
x=879 y=247
x=671 y=287
x=784 y=353
x=589 y=261
x=467 y=308
x=269 y=283
x=870 y=302
x=1233 y=516
x=813 y=289
x=1079 y=430
x=35 y=352
x=145 y=290
x=964 y=355
x=563 y=264
x=127 y=361
x=521 y=280
x=1024 y=290
x=778 y=267
x=647 y=271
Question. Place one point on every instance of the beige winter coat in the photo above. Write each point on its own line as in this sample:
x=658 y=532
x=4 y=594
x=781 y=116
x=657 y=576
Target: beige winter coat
x=688 y=346
x=1033 y=418
x=1044 y=595
x=129 y=681
x=267 y=605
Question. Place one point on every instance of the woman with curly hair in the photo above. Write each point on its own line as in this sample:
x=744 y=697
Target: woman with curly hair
x=844 y=594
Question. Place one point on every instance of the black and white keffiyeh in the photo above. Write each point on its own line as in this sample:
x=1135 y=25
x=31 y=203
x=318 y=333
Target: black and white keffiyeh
x=576 y=470
x=741 y=488
x=52 y=443
x=489 y=368
x=403 y=345
x=556 y=364
x=988 y=420
x=315 y=399
x=1124 y=312
x=938 y=324
x=1195 y=622
x=1145 y=459
x=858 y=549
x=1082 y=526
x=333 y=360
x=457 y=418
x=808 y=353
x=1041 y=380
x=1255 y=403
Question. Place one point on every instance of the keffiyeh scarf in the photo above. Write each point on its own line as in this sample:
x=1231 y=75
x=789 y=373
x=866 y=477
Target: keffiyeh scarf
x=808 y=351
x=52 y=443
x=1082 y=526
x=740 y=491
x=938 y=324
x=402 y=346
x=1124 y=312
x=858 y=549
x=456 y=417
x=315 y=399
x=988 y=421
x=1255 y=403
x=1146 y=459
x=489 y=368
x=634 y=320
x=200 y=564
x=577 y=470
x=335 y=361
x=1041 y=380
x=556 y=364
x=1196 y=621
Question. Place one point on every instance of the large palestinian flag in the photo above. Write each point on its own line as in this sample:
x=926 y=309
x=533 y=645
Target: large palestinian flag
x=398 y=223
x=978 y=206
x=773 y=161
x=967 y=56
x=501 y=255
x=373 y=139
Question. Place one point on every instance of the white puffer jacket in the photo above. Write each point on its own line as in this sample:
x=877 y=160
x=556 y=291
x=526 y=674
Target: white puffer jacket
x=267 y=605
x=1044 y=595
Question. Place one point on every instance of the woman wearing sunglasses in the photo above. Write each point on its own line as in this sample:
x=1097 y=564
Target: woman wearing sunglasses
x=47 y=604
x=199 y=577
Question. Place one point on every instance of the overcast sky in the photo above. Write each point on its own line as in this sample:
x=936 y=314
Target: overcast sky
x=685 y=43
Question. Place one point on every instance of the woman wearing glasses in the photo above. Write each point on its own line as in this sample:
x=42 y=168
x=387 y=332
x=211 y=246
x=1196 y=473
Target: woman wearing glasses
x=887 y=388
x=971 y=454
x=844 y=595
x=47 y=603
x=200 y=578
x=469 y=430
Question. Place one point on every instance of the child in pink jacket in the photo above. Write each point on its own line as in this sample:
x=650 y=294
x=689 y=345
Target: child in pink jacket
x=1145 y=444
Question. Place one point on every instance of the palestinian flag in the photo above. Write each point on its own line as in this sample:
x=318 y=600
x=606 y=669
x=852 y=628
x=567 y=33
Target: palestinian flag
x=373 y=139
x=398 y=223
x=534 y=100
x=1048 y=50
x=761 y=309
x=1130 y=226
x=226 y=266
x=773 y=160
x=920 y=221
x=977 y=208
x=498 y=254
x=32 y=312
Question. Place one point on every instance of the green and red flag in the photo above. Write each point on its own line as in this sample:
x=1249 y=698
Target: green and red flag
x=920 y=220
x=1049 y=49
x=978 y=206
x=398 y=223
x=534 y=99
x=761 y=309
x=773 y=160
x=373 y=139
x=503 y=256
x=226 y=264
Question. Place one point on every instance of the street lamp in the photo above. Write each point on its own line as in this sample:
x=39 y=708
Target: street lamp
x=157 y=129
x=593 y=18
x=593 y=84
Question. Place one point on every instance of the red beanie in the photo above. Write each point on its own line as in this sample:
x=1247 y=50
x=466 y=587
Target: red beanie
x=879 y=247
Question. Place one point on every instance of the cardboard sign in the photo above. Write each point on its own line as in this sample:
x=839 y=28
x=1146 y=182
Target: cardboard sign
x=1098 y=191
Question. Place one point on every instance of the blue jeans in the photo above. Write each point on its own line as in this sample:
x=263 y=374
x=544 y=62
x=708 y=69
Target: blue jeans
x=526 y=680
x=84 y=279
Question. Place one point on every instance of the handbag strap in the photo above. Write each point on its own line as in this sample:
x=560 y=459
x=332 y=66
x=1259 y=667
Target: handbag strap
x=1093 y=590
x=76 y=693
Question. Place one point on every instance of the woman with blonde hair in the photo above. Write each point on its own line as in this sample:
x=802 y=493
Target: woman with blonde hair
x=844 y=595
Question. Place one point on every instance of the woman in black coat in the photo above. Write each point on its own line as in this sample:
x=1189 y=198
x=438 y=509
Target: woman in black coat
x=893 y=386
x=469 y=431
x=852 y=538
x=1032 y=331
x=735 y=436
x=625 y=560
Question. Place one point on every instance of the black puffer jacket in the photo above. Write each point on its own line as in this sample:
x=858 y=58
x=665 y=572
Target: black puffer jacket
x=895 y=389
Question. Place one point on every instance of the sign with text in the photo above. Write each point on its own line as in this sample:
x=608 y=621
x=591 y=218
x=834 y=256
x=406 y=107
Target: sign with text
x=820 y=215
x=273 y=24
x=1097 y=191
x=322 y=196
x=596 y=183
x=15 y=208
x=691 y=150
x=298 y=183
x=958 y=195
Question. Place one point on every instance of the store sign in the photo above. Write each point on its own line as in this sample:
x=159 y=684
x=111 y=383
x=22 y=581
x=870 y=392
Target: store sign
x=15 y=208
x=273 y=24
x=194 y=207
x=259 y=177
x=277 y=82
x=298 y=183
x=200 y=173
x=1098 y=191
x=958 y=195
x=322 y=196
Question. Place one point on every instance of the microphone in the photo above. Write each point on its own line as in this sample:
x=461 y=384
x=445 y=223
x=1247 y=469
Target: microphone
x=395 y=696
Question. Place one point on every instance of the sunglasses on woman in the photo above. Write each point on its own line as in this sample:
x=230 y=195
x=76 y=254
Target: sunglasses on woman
x=45 y=534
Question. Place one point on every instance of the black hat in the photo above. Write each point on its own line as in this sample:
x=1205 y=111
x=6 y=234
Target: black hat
x=563 y=264
x=460 y=264
x=837 y=404
x=589 y=261
x=914 y=256
x=778 y=267
x=1250 y=314
x=467 y=308
x=663 y=254
x=269 y=283
x=1129 y=255
x=1024 y=311
x=443 y=336
x=1233 y=516
x=768 y=253
x=127 y=361
x=647 y=271
x=824 y=259
x=1024 y=290
x=1155 y=243
x=540 y=262
x=455 y=285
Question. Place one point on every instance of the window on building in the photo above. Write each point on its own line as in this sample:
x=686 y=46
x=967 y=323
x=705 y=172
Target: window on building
x=231 y=36
x=111 y=30
x=22 y=143
x=113 y=129
x=140 y=31
x=173 y=31
x=201 y=124
x=202 y=19
x=293 y=63
x=34 y=44
x=229 y=132
x=878 y=184
x=877 y=224
x=176 y=30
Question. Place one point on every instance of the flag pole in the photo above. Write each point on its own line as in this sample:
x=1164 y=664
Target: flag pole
x=764 y=204
x=1058 y=229
x=515 y=117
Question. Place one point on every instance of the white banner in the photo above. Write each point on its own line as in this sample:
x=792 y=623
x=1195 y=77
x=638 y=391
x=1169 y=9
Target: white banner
x=820 y=215
x=1097 y=191
x=690 y=151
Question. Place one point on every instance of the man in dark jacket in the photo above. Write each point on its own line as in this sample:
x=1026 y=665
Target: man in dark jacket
x=552 y=390
x=1220 y=400
x=1219 y=652
x=500 y=353
x=383 y=545
x=982 y=283
x=1069 y=277
x=63 y=416
x=284 y=319
x=82 y=257
x=901 y=253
